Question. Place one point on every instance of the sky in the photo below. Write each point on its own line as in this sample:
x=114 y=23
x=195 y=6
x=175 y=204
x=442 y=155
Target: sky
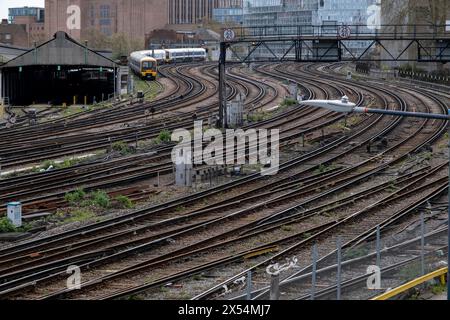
x=5 y=4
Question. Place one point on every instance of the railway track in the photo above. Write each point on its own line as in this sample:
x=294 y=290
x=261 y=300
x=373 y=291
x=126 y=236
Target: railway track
x=92 y=176
x=293 y=185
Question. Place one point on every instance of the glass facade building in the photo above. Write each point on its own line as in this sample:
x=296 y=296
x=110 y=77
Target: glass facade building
x=346 y=12
x=228 y=15
x=260 y=15
x=38 y=13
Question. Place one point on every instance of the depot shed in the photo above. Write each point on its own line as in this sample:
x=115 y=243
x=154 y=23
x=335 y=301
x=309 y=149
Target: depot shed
x=61 y=71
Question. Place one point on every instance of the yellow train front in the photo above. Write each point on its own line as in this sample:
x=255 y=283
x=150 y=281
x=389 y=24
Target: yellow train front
x=144 y=66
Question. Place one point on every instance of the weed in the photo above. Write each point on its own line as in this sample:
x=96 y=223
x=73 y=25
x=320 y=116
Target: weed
x=75 y=197
x=165 y=136
x=392 y=187
x=121 y=147
x=323 y=168
x=428 y=155
x=307 y=235
x=286 y=228
x=438 y=288
x=6 y=225
x=122 y=202
x=101 y=199
x=164 y=289
x=197 y=277
x=356 y=253
x=288 y=102
x=67 y=163
x=78 y=215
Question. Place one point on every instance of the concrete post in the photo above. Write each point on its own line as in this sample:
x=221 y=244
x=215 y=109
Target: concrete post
x=249 y=285
x=378 y=247
x=339 y=270
x=422 y=243
x=275 y=287
x=314 y=272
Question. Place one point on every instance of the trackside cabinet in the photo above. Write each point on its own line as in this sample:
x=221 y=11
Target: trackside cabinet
x=14 y=210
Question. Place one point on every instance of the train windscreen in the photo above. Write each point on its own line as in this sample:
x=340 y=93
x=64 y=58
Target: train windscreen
x=147 y=65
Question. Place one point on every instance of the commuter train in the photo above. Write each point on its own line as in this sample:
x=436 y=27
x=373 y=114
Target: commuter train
x=144 y=66
x=159 y=55
x=145 y=63
x=185 y=55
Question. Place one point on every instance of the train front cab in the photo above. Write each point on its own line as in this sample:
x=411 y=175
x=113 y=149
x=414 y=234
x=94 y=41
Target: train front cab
x=149 y=70
x=149 y=75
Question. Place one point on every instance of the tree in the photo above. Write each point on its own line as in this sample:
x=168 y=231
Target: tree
x=97 y=39
x=123 y=46
x=119 y=43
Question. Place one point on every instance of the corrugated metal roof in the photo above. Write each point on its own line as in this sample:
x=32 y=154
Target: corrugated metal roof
x=8 y=52
x=6 y=57
x=61 y=50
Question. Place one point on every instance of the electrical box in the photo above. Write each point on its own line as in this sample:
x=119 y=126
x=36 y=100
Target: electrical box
x=14 y=210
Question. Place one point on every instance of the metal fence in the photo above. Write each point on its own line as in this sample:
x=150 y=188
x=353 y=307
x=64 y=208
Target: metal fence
x=388 y=258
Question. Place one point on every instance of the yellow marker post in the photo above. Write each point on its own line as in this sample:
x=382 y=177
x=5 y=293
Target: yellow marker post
x=74 y=100
x=85 y=100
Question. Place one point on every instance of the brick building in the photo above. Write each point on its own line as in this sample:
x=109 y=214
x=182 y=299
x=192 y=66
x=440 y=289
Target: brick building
x=134 y=19
x=13 y=34
x=196 y=11
x=130 y=18
x=33 y=20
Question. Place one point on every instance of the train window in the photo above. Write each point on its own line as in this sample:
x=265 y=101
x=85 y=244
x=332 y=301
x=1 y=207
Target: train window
x=147 y=65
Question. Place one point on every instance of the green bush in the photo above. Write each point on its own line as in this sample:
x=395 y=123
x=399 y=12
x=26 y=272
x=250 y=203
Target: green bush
x=121 y=147
x=67 y=163
x=101 y=199
x=75 y=197
x=165 y=136
x=83 y=199
x=288 y=102
x=6 y=225
x=123 y=202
